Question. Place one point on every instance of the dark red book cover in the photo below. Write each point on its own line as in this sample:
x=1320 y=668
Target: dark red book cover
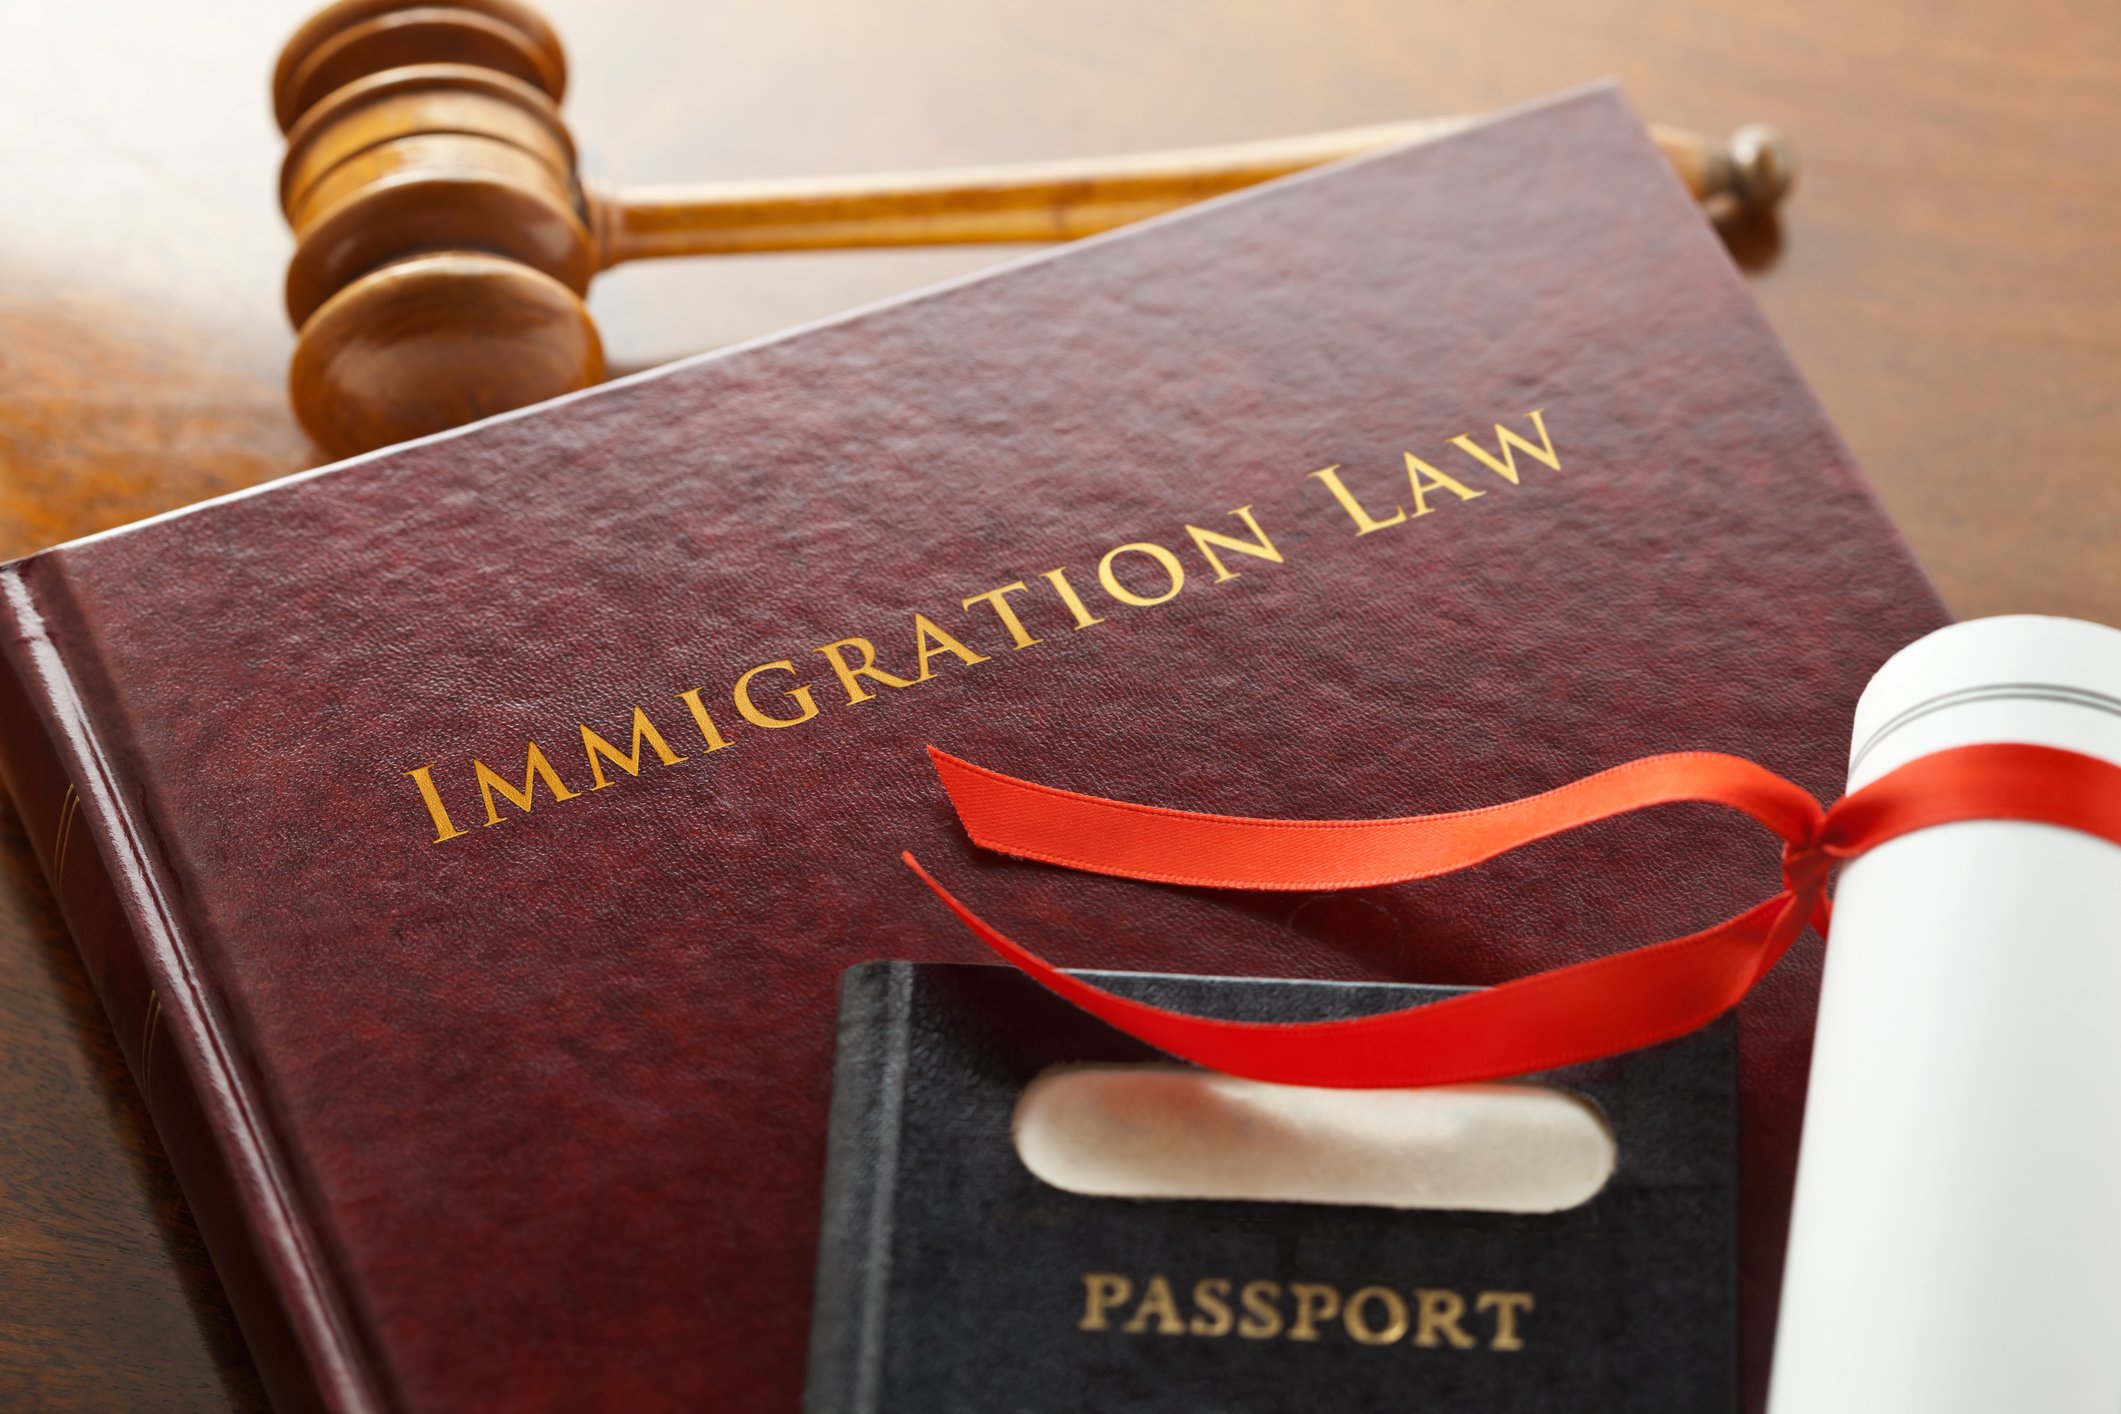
x=468 y=840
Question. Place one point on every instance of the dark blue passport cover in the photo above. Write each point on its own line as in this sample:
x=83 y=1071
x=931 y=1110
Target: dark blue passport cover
x=953 y=1281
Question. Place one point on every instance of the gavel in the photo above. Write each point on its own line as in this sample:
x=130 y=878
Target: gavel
x=445 y=240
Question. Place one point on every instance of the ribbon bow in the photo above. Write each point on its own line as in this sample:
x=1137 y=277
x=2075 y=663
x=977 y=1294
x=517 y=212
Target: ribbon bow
x=1554 y=1018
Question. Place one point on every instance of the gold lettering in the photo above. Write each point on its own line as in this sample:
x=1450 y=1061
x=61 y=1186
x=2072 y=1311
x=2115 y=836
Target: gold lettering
x=1083 y=617
x=1395 y=1326
x=599 y=750
x=855 y=667
x=1175 y=571
x=714 y=739
x=1262 y=1319
x=1205 y=541
x=999 y=598
x=924 y=629
x=1417 y=468
x=423 y=777
x=1506 y=1305
x=1314 y=1303
x=535 y=768
x=1101 y=1292
x=1374 y=1315
x=1440 y=1313
x=1510 y=443
x=1211 y=1306
x=866 y=669
x=1364 y=521
x=1157 y=1301
x=751 y=711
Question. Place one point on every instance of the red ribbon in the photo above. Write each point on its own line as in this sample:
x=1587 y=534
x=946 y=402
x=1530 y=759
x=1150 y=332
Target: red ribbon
x=1555 y=1018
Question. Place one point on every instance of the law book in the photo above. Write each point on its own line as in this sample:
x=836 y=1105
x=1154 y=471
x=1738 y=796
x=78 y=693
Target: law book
x=466 y=840
x=955 y=1279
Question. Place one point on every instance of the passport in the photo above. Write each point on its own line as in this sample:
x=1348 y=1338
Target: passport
x=951 y=1280
x=467 y=840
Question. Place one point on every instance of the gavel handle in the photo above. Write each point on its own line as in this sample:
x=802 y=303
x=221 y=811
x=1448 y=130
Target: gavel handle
x=1063 y=201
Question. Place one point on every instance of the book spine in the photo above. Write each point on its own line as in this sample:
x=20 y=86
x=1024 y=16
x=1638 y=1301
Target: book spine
x=854 y=1235
x=114 y=899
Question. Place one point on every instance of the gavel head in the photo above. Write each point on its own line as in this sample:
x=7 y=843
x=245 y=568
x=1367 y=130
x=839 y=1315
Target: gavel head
x=443 y=242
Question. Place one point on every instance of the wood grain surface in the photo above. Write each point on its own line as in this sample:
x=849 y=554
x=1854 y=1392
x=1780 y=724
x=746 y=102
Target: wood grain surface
x=1945 y=275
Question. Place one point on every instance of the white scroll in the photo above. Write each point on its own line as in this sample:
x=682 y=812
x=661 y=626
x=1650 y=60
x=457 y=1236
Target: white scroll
x=1956 y=1241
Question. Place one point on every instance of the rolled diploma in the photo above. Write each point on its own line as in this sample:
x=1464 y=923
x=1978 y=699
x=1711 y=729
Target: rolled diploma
x=1956 y=1240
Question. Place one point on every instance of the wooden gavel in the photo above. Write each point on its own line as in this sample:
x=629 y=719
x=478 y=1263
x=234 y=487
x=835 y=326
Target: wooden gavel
x=444 y=239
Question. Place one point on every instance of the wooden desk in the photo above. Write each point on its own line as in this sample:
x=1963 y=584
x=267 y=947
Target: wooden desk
x=1945 y=275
